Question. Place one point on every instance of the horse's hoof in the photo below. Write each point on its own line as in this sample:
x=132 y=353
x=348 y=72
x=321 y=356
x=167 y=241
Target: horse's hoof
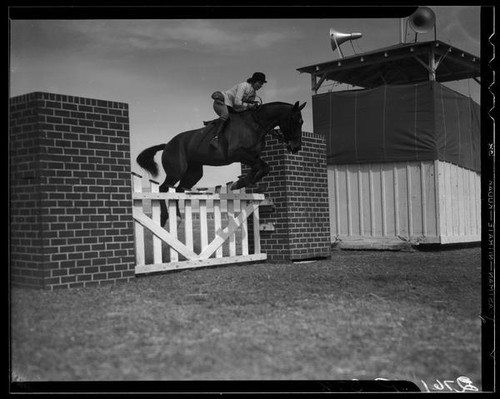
x=260 y=189
x=237 y=185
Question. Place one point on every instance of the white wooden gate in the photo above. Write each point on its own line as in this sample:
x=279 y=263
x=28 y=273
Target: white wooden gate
x=213 y=228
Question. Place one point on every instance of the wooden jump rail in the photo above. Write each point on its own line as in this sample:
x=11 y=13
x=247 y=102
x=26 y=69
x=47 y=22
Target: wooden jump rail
x=181 y=253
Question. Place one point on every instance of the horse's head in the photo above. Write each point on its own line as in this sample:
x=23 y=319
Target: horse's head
x=291 y=128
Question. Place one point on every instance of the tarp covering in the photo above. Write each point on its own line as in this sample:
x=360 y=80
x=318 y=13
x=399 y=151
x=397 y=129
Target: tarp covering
x=397 y=123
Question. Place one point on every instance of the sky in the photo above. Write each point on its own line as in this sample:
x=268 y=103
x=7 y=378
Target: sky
x=166 y=69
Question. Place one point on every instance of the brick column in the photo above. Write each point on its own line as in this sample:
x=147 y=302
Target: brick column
x=298 y=187
x=70 y=192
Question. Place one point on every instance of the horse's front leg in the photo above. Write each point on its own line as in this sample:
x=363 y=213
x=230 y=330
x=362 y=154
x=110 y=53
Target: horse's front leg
x=244 y=180
x=259 y=171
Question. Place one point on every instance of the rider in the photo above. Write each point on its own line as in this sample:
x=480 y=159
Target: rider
x=237 y=99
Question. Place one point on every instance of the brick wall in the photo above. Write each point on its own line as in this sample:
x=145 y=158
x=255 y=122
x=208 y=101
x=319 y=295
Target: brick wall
x=70 y=192
x=298 y=187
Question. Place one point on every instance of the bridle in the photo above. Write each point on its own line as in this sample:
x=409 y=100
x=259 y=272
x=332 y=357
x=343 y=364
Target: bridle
x=278 y=134
x=274 y=132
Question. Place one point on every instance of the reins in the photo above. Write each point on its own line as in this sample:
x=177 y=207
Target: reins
x=274 y=132
x=277 y=133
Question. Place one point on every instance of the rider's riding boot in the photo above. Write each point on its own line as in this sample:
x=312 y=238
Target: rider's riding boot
x=219 y=127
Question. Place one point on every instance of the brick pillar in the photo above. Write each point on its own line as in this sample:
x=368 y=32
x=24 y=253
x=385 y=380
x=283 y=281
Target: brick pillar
x=70 y=192
x=298 y=187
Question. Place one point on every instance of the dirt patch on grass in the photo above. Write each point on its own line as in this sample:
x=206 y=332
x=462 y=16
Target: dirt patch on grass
x=363 y=315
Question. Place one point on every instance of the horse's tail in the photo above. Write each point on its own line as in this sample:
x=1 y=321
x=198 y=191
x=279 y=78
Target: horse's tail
x=146 y=159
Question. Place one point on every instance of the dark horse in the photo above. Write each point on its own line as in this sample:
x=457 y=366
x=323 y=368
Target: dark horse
x=243 y=140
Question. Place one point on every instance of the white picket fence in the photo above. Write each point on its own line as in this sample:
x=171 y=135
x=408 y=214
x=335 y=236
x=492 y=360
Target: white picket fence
x=213 y=228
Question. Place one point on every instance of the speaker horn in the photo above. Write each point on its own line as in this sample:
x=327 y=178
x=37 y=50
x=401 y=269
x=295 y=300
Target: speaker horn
x=337 y=38
x=422 y=20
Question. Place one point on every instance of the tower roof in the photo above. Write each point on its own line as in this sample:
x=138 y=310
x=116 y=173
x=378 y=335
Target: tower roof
x=399 y=64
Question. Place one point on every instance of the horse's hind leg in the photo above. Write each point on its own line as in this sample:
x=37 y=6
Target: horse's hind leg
x=164 y=187
x=175 y=166
x=192 y=176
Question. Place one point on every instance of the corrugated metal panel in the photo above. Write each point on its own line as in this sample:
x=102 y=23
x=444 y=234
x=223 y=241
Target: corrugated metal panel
x=408 y=200
x=459 y=203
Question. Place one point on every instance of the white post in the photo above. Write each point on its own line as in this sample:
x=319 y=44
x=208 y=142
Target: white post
x=230 y=217
x=188 y=223
x=172 y=221
x=402 y=33
x=203 y=225
x=244 y=228
x=155 y=216
x=217 y=220
x=256 y=231
x=139 y=230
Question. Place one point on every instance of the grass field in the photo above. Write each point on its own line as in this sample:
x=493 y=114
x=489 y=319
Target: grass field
x=359 y=315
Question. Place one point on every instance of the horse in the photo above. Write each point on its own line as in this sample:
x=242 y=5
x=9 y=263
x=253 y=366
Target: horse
x=242 y=141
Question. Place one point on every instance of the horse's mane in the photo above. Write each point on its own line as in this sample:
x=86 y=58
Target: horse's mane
x=249 y=112
x=277 y=103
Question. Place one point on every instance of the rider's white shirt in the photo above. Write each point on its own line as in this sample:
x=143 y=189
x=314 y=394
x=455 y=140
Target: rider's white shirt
x=235 y=96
